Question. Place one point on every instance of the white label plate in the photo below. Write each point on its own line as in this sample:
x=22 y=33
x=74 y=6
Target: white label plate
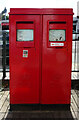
x=25 y=53
x=56 y=44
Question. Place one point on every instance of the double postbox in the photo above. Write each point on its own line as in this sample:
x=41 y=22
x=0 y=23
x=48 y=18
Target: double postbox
x=40 y=56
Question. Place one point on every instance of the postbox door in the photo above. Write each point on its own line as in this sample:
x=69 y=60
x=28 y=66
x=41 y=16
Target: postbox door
x=24 y=59
x=56 y=59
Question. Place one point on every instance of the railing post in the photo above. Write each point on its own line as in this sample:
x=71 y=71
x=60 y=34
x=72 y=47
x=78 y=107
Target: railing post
x=4 y=55
x=1 y=75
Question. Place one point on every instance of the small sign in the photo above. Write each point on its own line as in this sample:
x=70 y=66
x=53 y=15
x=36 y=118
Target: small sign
x=56 y=44
x=25 y=53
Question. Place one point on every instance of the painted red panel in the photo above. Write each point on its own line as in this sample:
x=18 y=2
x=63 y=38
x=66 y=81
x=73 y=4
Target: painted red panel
x=24 y=72
x=48 y=11
x=56 y=62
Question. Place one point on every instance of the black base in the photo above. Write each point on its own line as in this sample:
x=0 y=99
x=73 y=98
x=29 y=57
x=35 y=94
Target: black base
x=40 y=107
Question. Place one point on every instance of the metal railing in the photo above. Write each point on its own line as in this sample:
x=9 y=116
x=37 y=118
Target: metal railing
x=75 y=60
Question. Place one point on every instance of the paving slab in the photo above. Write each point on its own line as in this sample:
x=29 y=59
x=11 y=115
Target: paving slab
x=5 y=114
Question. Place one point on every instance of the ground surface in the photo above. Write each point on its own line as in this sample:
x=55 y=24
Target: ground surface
x=5 y=114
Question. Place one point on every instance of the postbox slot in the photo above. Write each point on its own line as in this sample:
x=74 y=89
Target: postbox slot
x=57 y=34
x=25 y=25
x=57 y=22
x=24 y=22
x=25 y=34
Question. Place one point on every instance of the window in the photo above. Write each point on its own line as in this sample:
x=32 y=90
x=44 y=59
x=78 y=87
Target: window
x=56 y=35
x=25 y=35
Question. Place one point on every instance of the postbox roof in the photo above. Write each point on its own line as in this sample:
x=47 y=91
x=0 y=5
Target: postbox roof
x=53 y=11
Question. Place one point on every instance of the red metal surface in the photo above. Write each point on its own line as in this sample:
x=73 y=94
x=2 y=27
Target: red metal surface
x=54 y=11
x=56 y=62
x=24 y=72
x=45 y=75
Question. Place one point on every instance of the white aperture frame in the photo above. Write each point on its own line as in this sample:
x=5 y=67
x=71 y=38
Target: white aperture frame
x=57 y=35
x=25 y=34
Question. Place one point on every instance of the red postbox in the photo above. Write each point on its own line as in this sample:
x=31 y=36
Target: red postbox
x=40 y=56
